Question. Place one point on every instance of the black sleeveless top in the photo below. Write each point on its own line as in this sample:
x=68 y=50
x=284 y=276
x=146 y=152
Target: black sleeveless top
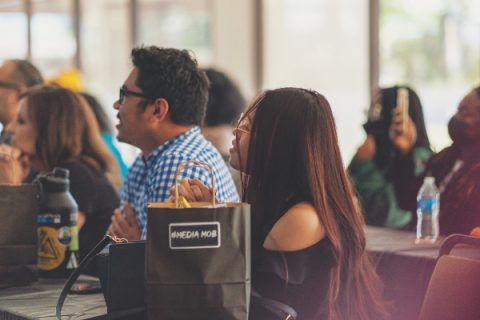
x=299 y=279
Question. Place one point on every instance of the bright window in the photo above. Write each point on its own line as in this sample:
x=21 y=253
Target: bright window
x=13 y=18
x=323 y=45
x=181 y=24
x=53 y=37
x=434 y=46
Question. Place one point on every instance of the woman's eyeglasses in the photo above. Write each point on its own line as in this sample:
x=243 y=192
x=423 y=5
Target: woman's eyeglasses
x=125 y=93
x=242 y=130
x=241 y=126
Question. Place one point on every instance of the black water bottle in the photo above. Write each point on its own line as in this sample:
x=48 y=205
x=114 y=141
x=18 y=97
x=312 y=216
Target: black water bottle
x=57 y=226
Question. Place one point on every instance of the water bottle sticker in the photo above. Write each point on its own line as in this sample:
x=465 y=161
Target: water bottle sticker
x=65 y=235
x=428 y=204
x=51 y=252
x=49 y=218
x=74 y=243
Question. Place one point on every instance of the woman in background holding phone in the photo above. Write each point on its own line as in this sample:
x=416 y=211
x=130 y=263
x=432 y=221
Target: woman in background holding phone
x=395 y=133
x=308 y=241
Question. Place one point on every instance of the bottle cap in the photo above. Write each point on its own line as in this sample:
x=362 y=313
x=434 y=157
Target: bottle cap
x=429 y=180
x=56 y=181
x=61 y=173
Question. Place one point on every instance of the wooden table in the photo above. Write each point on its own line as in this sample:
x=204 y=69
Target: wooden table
x=38 y=301
x=404 y=267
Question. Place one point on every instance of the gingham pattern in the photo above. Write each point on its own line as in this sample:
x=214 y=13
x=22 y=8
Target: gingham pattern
x=150 y=180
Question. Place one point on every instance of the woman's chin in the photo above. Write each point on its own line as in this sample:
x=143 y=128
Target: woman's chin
x=233 y=163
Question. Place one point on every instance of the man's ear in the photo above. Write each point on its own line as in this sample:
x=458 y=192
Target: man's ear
x=160 y=109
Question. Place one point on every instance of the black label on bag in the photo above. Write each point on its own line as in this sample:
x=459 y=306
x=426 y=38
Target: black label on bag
x=194 y=235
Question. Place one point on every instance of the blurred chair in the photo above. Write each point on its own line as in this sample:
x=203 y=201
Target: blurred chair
x=454 y=289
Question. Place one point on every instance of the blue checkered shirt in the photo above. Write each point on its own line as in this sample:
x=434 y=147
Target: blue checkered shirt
x=150 y=179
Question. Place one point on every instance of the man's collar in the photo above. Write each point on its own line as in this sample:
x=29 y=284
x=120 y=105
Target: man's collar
x=161 y=148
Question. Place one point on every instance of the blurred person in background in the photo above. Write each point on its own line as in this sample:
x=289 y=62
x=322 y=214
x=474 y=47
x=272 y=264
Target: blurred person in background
x=394 y=137
x=224 y=107
x=55 y=128
x=106 y=129
x=456 y=170
x=72 y=79
x=308 y=238
x=160 y=107
x=16 y=76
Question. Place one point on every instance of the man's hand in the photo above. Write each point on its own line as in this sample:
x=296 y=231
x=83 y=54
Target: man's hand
x=125 y=227
x=403 y=132
x=367 y=150
x=193 y=190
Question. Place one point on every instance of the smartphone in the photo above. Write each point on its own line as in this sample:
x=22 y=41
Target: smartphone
x=86 y=287
x=402 y=104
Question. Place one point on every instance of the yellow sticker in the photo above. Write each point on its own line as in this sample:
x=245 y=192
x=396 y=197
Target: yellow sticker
x=51 y=252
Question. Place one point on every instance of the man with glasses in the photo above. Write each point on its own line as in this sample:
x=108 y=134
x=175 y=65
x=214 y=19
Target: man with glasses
x=16 y=76
x=160 y=108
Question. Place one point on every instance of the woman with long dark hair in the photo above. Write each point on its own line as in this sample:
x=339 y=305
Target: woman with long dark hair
x=308 y=239
x=394 y=137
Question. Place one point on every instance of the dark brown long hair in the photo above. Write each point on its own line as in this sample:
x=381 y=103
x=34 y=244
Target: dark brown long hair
x=67 y=131
x=293 y=150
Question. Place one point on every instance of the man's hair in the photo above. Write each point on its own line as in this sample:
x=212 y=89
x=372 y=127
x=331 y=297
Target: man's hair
x=173 y=75
x=25 y=73
x=225 y=102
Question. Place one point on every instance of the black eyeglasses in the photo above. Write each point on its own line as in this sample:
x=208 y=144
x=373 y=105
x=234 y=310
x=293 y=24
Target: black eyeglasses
x=9 y=85
x=125 y=93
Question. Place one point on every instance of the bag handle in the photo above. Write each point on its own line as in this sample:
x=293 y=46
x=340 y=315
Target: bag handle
x=81 y=267
x=280 y=309
x=187 y=164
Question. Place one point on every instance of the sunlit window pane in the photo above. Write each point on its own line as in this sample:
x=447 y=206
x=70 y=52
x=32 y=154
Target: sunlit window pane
x=323 y=45
x=435 y=47
x=53 y=36
x=181 y=24
x=13 y=30
x=105 y=54
x=105 y=46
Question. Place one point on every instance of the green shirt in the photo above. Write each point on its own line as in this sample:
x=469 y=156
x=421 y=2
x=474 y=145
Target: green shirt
x=377 y=194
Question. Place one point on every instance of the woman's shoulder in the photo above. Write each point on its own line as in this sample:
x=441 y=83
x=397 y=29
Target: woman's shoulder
x=89 y=188
x=299 y=228
x=78 y=169
x=83 y=173
x=75 y=167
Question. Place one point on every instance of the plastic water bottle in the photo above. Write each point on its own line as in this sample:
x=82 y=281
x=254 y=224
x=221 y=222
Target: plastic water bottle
x=57 y=226
x=428 y=208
